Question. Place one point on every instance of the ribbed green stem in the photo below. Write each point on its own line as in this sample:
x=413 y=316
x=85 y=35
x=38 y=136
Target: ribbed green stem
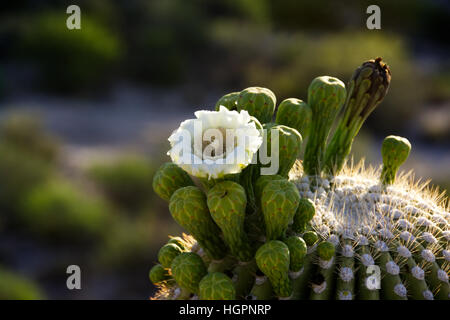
x=340 y=146
x=300 y=288
x=440 y=288
x=325 y=289
x=262 y=289
x=416 y=287
x=388 y=174
x=221 y=265
x=389 y=278
x=244 y=278
x=365 y=293
x=345 y=283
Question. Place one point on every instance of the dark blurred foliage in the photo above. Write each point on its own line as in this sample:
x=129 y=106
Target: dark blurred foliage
x=232 y=44
x=59 y=211
x=15 y=287
x=127 y=182
x=27 y=154
x=105 y=217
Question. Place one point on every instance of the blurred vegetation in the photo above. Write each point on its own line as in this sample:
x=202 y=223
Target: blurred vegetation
x=234 y=44
x=19 y=174
x=16 y=287
x=26 y=132
x=27 y=152
x=69 y=60
x=127 y=182
x=40 y=199
x=294 y=60
x=58 y=210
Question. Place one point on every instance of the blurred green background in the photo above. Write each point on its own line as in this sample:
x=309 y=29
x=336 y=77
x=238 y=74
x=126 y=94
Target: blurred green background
x=85 y=114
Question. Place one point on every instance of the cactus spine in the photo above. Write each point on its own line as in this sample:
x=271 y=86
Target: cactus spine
x=326 y=96
x=366 y=89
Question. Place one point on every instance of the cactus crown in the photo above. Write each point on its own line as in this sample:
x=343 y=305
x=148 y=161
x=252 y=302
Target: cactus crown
x=315 y=229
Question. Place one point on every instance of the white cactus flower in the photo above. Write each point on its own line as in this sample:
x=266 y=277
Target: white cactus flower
x=216 y=143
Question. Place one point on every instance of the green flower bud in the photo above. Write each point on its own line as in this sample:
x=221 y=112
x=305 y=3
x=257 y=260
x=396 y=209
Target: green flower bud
x=366 y=89
x=188 y=270
x=178 y=241
x=229 y=101
x=279 y=202
x=168 y=179
x=189 y=209
x=297 y=250
x=305 y=212
x=262 y=182
x=167 y=253
x=289 y=147
x=273 y=260
x=395 y=150
x=158 y=274
x=216 y=286
x=326 y=95
x=296 y=114
x=227 y=202
x=325 y=250
x=310 y=238
x=259 y=102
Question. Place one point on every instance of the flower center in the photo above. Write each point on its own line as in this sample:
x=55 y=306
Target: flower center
x=217 y=142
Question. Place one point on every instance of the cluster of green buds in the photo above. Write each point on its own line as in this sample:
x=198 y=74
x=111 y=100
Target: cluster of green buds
x=312 y=229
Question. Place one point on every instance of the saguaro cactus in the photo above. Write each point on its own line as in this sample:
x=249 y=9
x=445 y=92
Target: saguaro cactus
x=296 y=114
x=259 y=102
x=306 y=234
x=326 y=96
x=395 y=150
x=365 y=91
